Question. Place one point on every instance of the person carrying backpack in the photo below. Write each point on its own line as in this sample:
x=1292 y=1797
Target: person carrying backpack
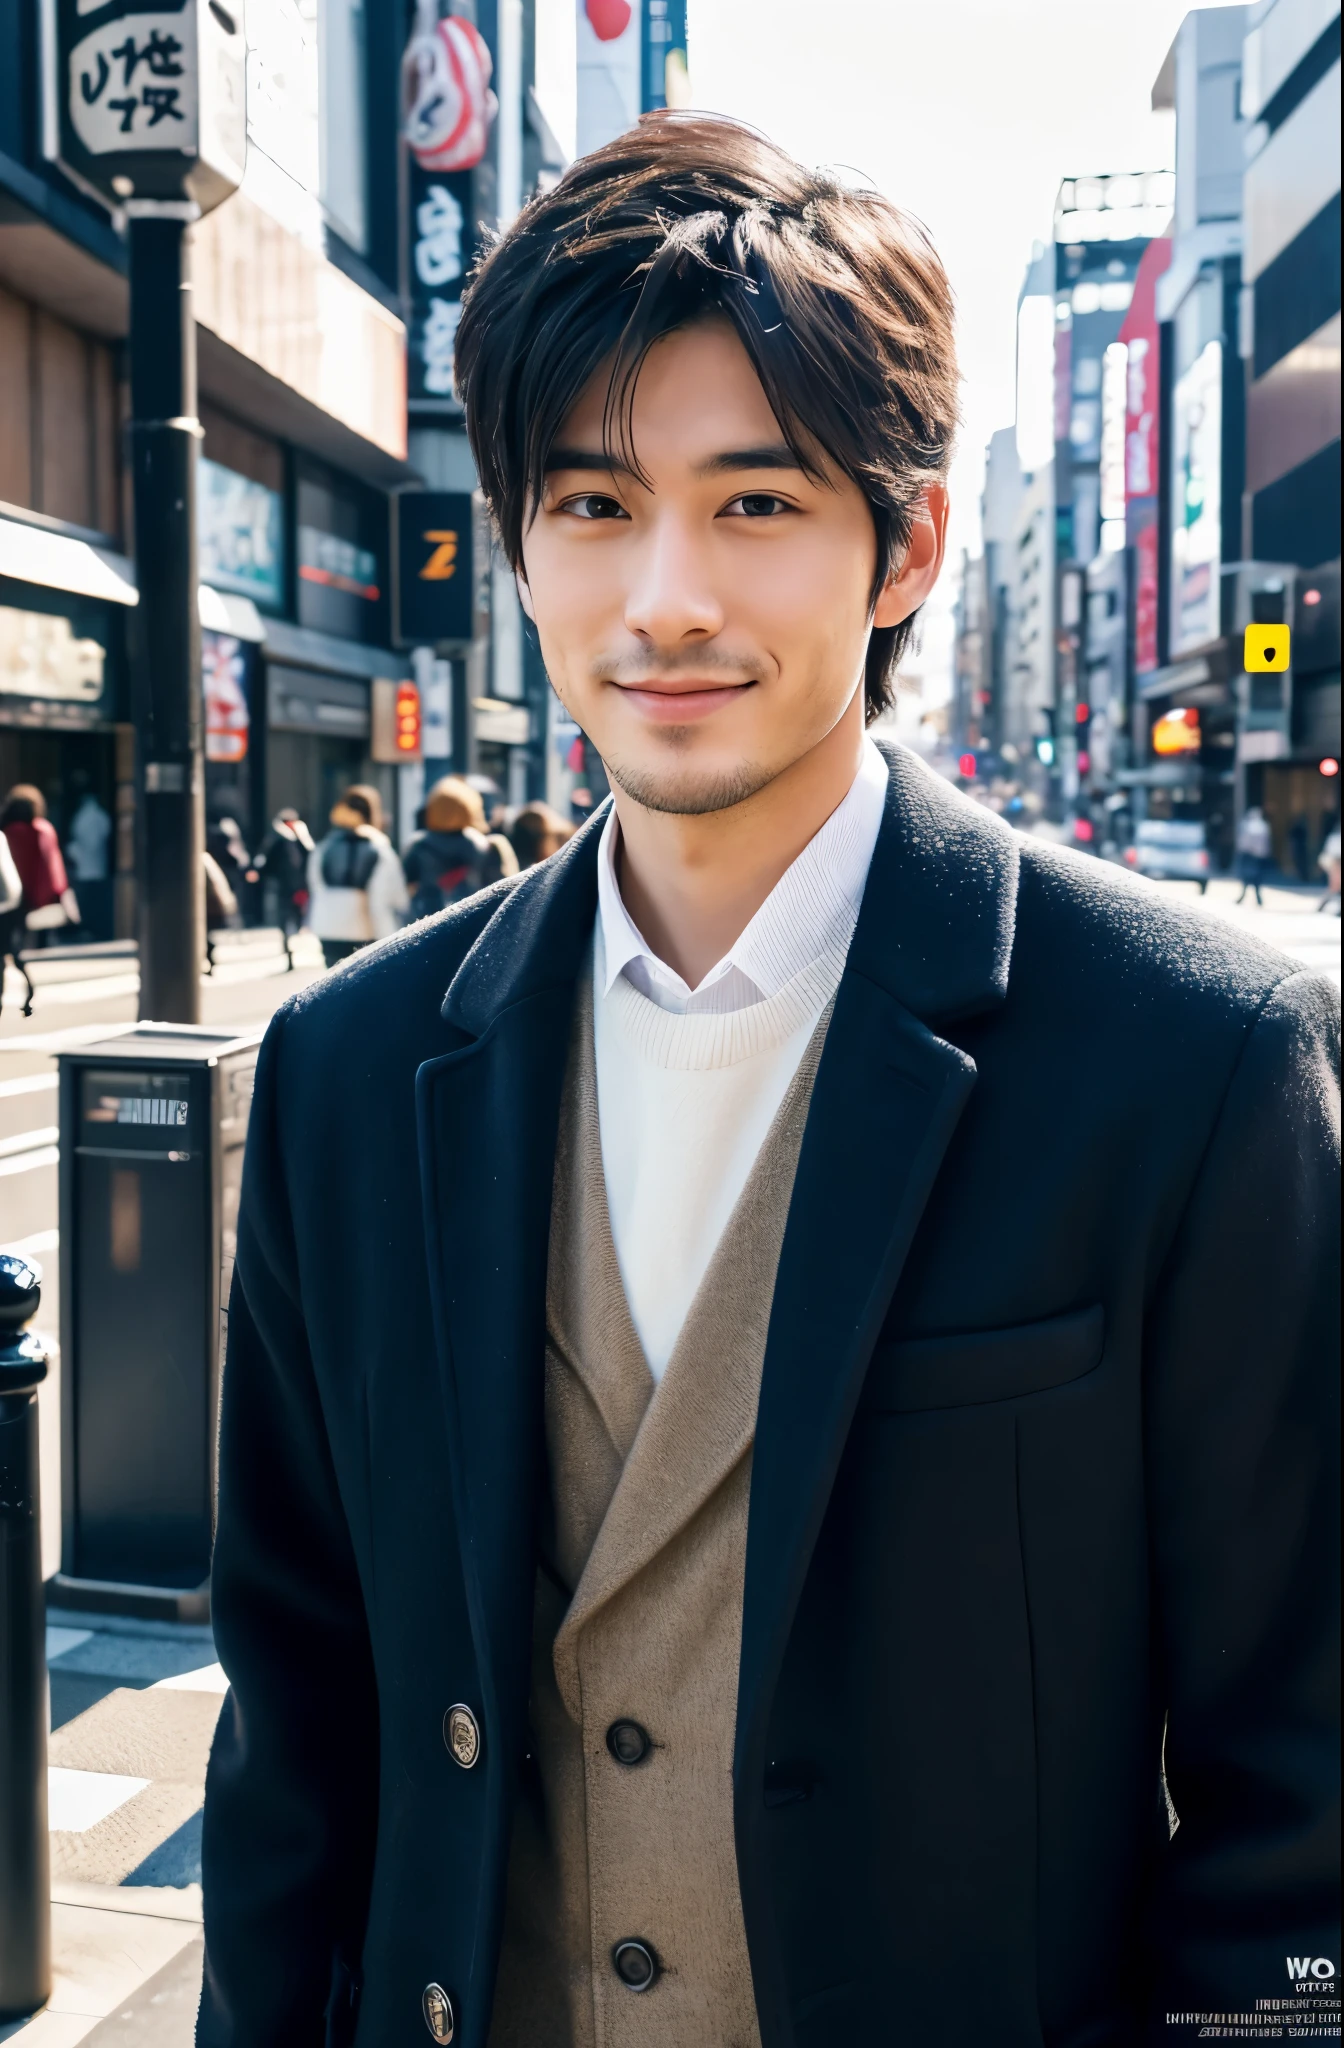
x=454 y=856
x=355 y=884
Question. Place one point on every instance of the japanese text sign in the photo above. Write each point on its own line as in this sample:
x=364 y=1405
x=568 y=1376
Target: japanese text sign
x=146 y=101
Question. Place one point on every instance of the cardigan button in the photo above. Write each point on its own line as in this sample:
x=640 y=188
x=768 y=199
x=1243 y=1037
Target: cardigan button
x=628 y=1743
x=437 y=2008
x=462 y=1735
x=635 y=1964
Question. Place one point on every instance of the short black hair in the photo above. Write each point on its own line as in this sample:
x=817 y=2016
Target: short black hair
x=838 y=297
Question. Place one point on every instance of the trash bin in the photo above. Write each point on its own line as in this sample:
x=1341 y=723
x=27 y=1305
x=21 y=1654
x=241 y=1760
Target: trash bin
x=152 y=1128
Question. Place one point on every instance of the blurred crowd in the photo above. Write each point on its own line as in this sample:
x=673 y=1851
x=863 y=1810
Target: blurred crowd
x=351 y=885
x=348 y=887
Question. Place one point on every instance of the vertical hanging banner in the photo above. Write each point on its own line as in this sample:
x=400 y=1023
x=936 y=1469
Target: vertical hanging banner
x=145 y=101
x=447 y=112
x=441 y=248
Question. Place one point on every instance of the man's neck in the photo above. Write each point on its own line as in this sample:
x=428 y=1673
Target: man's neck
x=693 y=884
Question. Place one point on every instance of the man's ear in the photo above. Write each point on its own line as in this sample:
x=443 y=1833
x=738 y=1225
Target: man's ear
x=524 y=594
x=913 y=577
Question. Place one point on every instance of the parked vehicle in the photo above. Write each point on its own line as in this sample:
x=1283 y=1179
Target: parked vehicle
x=1170 y=850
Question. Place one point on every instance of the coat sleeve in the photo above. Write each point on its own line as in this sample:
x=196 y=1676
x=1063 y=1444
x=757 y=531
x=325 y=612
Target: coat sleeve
x=291 y=1792
x=1241 y=1408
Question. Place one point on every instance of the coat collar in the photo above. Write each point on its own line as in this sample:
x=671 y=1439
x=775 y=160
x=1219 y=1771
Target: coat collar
x=935 y=929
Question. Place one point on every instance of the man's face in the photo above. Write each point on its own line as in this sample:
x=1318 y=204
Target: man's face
x=705 y=625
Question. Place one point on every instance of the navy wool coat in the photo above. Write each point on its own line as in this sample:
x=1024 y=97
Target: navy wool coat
x=1042 y=1541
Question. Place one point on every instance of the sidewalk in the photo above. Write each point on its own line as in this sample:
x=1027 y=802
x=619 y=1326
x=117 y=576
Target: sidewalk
x=133 y=1711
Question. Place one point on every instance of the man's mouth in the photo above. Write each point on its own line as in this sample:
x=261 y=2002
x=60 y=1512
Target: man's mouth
x=676 y=700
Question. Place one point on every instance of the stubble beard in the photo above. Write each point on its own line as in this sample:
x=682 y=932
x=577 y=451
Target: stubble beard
x=688 y=792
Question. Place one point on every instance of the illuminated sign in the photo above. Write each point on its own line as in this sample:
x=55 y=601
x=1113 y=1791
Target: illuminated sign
x=1177 y=732
x=397 y=723
x=433 y=594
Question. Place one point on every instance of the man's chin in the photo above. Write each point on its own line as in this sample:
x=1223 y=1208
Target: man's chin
x=688 y=790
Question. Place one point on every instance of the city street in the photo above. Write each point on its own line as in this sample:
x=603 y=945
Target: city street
x=133 y=1703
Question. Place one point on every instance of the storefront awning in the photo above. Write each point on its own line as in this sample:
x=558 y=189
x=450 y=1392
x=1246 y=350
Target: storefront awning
x=61 y=561
x=57 y=561
x=222 y=611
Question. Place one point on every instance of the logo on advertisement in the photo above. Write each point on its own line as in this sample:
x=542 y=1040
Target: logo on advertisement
x=1319 y=1967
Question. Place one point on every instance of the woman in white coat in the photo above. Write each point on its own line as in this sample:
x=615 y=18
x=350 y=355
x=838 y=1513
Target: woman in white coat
x=356 y=888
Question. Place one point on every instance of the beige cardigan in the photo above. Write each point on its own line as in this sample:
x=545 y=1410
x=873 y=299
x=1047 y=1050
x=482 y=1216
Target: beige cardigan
x=639 y=1616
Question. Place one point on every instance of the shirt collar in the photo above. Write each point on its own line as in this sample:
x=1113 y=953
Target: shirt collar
x=812 y=907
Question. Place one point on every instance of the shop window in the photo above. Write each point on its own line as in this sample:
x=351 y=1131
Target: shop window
x=341 y=555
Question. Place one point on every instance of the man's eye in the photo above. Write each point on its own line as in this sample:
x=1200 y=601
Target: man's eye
x=595 y=505
x=757 y=505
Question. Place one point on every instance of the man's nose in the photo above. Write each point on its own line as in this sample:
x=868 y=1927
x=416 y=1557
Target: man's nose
x=672 y=596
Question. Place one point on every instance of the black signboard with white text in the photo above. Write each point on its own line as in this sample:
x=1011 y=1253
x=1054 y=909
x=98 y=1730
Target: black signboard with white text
x=441 y=246
x=146 y=99
x=433 y=589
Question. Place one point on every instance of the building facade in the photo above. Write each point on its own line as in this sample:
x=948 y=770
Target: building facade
x=301 y=353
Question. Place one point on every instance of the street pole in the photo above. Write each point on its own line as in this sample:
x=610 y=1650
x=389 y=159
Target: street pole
x=166 y=631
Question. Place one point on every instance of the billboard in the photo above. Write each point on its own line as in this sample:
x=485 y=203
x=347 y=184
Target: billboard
x=240 y=525
x=1196 y=501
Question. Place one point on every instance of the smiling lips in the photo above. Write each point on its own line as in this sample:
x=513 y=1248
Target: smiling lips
x=678 y=701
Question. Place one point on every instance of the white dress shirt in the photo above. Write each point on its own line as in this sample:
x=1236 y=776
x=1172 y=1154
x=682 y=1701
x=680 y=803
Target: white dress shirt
x=689 y=1080
x=812 y=907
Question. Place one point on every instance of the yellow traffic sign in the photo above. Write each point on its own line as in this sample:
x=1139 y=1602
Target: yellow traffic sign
x=1266 y=649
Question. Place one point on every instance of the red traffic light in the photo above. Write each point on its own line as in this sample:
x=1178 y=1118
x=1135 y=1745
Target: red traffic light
x=966 y=765
x=1329 y=765
x=1081 y=713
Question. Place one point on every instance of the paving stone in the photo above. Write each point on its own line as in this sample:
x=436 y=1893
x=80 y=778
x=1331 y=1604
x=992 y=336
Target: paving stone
x=163 y=1737
x=162 y=2014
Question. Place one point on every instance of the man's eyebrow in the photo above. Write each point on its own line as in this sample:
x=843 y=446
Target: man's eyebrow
x=771 y=455
x=587 y=458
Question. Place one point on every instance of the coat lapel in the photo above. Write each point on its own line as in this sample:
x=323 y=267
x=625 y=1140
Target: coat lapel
x=931 y=945
x=487 y=1116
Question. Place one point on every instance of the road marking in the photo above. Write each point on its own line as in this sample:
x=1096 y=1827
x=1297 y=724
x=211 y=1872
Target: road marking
x=28 y=1141
x=209 y=1678
x=56 y=1041
x=28 y=1084
x=59 y=1640
x=28 y=1162
x=33 y=1247
x=78 y=1800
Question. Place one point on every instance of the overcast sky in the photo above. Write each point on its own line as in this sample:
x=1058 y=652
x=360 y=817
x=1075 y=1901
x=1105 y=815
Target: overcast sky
x=968 y=112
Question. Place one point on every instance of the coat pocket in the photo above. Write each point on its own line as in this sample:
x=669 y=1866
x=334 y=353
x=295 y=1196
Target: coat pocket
x=978 y=1366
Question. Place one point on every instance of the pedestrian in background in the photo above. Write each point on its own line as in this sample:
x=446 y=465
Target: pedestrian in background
x=50 y=905
x=282 y=863
x=1255 y=845
x=537 y=832
x=224 y=843
x=454 y=855
x=88 y=857
x=356 y=890
x=11 y=924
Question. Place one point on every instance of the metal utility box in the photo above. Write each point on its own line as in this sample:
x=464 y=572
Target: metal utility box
x=152 y=1126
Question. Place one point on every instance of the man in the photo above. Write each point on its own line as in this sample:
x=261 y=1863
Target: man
x=731 y=1566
